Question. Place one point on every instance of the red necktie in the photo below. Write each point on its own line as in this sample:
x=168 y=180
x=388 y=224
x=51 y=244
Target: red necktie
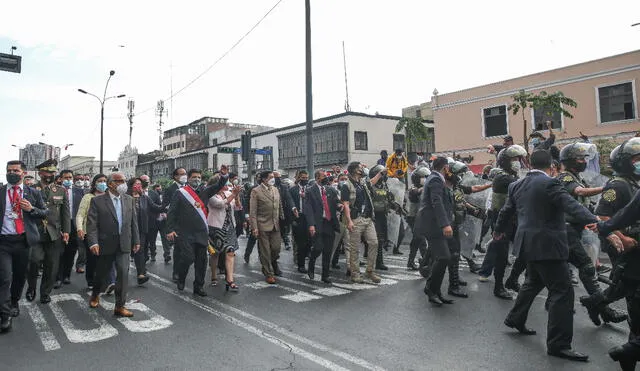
x=16 y=208
x=325 y=204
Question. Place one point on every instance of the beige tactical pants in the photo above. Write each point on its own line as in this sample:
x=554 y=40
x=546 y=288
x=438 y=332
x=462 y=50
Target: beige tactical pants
x=363 y=229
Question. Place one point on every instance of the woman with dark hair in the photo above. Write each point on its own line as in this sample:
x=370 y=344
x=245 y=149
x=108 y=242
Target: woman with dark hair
x=222 y=233
x=143 y=205
x=98 y=187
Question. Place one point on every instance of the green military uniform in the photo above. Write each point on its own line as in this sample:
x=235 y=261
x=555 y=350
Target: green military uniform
x=383 y=201
x=57 y=222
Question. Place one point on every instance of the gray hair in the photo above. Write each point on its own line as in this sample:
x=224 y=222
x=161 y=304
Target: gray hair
x=110 y=177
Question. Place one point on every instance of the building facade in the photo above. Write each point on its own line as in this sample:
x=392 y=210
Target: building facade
x=127 y=161
x=36 y=153
x=467 y=121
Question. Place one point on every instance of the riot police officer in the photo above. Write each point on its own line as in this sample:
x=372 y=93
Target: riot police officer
x=461 y=209
x=383 y=202
x=418 y=178
x=573 y=158
x=509 y=164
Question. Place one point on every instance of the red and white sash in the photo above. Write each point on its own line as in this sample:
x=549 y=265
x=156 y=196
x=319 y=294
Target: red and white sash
x=196 y=202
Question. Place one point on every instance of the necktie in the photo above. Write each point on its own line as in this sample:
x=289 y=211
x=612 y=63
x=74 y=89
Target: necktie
x=301 y=198
x=118 y=206
x=325 y=204
x=16 y=208
x=70 y=202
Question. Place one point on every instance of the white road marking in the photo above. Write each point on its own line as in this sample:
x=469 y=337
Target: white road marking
x=401 y=276
x=155 y=321
x=48 y=339
x=286 y=332
x=339 y=282
x=75 y=335
x=296 y=296
x=254 y=330
x=326 y=291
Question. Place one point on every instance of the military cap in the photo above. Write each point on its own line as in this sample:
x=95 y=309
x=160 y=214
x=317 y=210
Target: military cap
x=50 y=165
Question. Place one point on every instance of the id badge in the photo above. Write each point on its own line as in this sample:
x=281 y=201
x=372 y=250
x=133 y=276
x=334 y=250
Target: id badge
x=13 y=215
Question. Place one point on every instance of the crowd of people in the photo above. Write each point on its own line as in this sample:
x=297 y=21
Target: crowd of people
x=113 y=221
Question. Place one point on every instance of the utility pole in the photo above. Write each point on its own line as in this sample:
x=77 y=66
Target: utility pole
x=308 y=86
x=159 y=112
x=131 y=105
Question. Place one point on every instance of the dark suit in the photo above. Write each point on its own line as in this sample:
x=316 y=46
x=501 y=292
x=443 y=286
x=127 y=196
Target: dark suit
x=154 y=226
x=167 y=198
x=14 y=249
x=67 y=258
x=192 y=240
x=540 y=203
x=299 y=226
x=115 y=242
x=144 y=207
x=325 y=226
x=435 y=213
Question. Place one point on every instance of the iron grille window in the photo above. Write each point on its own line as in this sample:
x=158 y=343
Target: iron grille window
x=360 y=140
x=616 y=102
x=495 y=121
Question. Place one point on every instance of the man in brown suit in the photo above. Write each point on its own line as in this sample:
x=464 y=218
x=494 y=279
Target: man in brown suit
x=112 y=232
x=265 y=213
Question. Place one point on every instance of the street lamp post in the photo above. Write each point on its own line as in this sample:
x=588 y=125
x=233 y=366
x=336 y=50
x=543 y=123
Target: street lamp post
x=102 y=102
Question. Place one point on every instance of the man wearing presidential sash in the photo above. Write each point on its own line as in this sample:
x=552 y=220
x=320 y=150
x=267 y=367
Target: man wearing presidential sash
x=187 y=226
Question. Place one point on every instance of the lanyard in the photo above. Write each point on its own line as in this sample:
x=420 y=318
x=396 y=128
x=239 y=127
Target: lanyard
x=14 y=197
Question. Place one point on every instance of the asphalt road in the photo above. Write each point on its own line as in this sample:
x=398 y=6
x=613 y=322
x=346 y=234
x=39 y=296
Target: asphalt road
x=297 y=324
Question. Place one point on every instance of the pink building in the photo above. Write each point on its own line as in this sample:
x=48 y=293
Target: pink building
x=467 y=121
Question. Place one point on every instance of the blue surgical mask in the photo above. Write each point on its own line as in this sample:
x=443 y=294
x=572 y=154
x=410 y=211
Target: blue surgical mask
x=535 y=141
x=102 y=186
x=636 y=168
x=67 y=183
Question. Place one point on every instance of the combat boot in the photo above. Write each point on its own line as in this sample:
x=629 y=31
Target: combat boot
x=454 y=279
x=609 y=314
x=592 y=304
x=373 y=277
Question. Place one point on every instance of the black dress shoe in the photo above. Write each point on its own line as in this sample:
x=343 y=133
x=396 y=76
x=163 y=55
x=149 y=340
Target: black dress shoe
x=433 y=298
x=445 y=300
x=180 y=286
x=512 y=285
x=57 y=285
x=5 y=324
x=502 y=294
x=199 y=292
x=397 y=252
x=592 y=309
x=31 y=294
x=142 y=280
x=522 y=329
x=326 y=280
x=66 y=281
x=45 y=299
x=167 y=259
x=382 y=267
x=15 y=310
x=627 y=361
x=246 y=259
x=569 y=354
x=609 y=314
x=302 y=270
x=457 y=292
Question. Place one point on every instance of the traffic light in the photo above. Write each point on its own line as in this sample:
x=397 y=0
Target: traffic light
x=245 y=145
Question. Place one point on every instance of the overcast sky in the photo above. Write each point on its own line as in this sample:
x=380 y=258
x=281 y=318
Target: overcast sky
x=397 y=53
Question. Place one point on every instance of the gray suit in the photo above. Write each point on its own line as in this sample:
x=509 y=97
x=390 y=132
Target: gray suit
x=115 y=246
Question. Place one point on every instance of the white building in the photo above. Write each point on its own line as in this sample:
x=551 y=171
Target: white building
x=127 y=161
x=338 y=140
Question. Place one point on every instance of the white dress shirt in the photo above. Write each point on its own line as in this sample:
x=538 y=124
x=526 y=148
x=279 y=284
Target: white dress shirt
x=8 y=224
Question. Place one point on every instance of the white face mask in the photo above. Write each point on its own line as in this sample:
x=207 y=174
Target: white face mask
x=423 y=181
x=516 y=166
x=79 y=183
x=122 y=188
x=183 y=179
x=272 y=181
x=235 y=182
x=87 y=184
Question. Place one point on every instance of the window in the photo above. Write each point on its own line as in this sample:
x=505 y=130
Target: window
x=616 y=102
x=360 y=140
x=542 y=115
x=418 y=113
x=398 y=141
x=495 y=121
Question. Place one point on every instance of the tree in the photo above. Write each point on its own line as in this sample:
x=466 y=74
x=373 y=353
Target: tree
x=605 y=146
x=550 y=103
x=414 y=129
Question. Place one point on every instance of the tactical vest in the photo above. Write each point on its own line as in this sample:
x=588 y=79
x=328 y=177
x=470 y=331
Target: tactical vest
x=380 y=197
x=567 y=177
x=352 y=193
x=498 y=199
x=460 y=210
x=633 y=230
x=412 y=207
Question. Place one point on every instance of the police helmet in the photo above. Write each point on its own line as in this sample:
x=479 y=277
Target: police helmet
x=493 y=172
x=377 y=169
x=577 y=151
x=458 y=168
x=620 y=157
x=418 y=174
x=508 y=154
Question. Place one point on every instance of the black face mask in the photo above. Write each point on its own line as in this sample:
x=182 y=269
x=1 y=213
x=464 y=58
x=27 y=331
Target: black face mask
x=145 y=184
x=303 y=182
x=324 y=181
x=581 y=166
x=13 y=178
x=48 y=178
